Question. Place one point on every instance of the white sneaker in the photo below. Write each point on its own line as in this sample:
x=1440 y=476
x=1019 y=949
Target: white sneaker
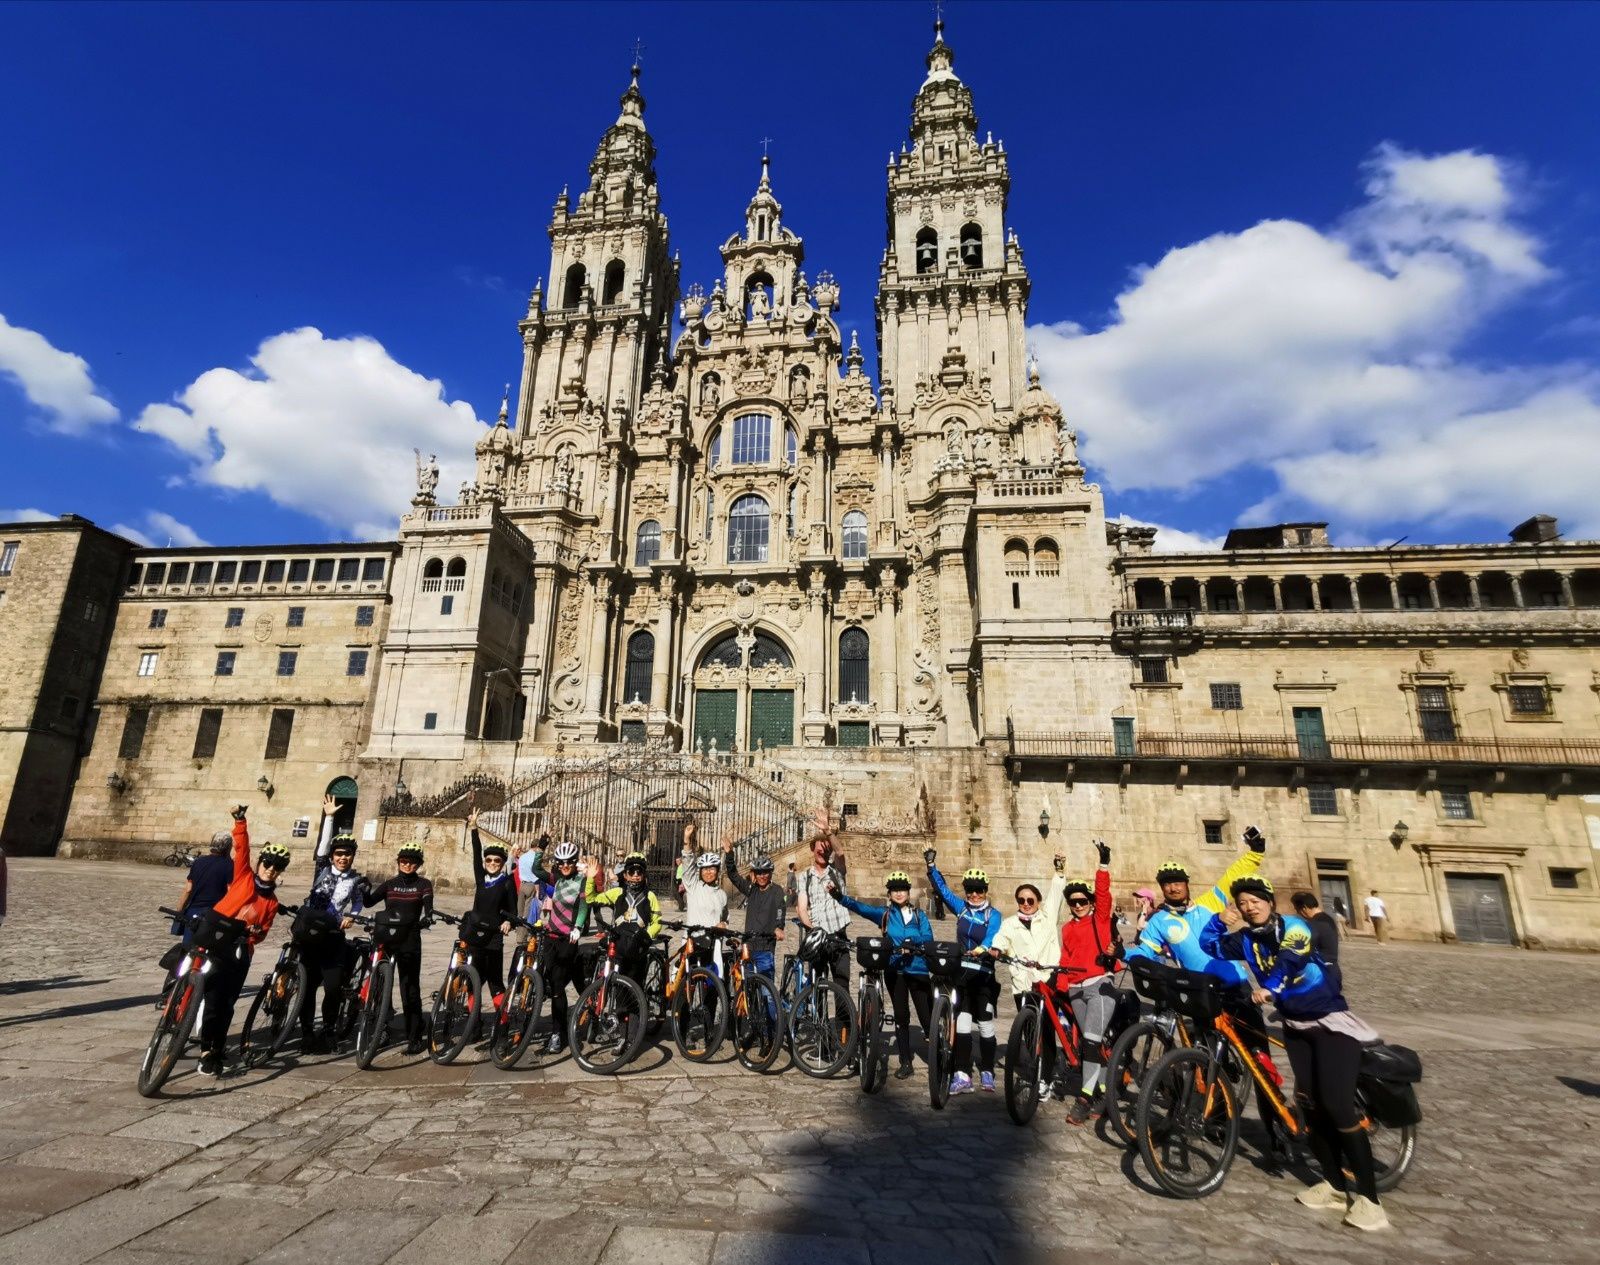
x=960 y=1083
x=1366 y=1215
x=1323 y=1196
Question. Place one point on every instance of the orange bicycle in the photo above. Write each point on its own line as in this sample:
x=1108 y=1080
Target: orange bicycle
x=696 y=1000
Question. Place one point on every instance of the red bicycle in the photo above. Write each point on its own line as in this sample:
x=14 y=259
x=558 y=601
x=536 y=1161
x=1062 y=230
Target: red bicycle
x=184 y=999
x=1031 y=1072
x=606 y=1028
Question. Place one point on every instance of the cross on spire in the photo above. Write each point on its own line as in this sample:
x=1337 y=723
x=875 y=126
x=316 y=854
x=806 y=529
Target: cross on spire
x=765 y=141
x=938 y=21
x=638 y=51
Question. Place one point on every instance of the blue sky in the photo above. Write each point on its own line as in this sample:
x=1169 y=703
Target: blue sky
x=1288 y=261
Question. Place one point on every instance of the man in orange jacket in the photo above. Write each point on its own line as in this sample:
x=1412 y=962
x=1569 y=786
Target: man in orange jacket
x=251 y=899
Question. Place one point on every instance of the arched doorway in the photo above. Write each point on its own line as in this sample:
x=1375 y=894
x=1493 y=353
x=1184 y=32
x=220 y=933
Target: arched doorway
x=744 y=693
x=344 y=790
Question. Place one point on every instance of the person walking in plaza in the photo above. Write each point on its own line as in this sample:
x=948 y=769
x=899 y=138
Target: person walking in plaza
x=252 y=899
x=335 y=893
x=977 y=924
x=1089 y=952
x=1324 y=930
x=1322 y=1038
x=208 y=878
x=764 y=910
x=903 y=924
x=791 y=887
x=1341 y=915
x=411 y=895
x=1378 y=913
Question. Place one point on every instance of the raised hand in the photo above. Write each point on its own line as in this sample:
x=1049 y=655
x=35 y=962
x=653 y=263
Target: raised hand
x=1255 y=840
x=1103 y=850
x=930 y=855
x=472 y=820
x=591 y=868
x=239 y=812
x=1060 y=862
x=329 y=806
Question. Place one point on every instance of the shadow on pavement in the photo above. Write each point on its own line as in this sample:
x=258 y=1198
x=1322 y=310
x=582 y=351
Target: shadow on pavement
x=75 y=1012
x=41 y=985
x=1589 y=1089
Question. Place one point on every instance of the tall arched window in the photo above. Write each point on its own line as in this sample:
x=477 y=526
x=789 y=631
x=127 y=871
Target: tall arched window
x=714 y=458
x=641 y=662
x=854 y=667
x=971 y=246
x=927 y=251
x=1016 y=557
x=752 y=439
x=647 y=546
x=616 y=274
x=572 y=292
x=432 y=569
x=855 y=534
x=1046 y=557
x=749 y=522
x=458 y=566
x=791 y=445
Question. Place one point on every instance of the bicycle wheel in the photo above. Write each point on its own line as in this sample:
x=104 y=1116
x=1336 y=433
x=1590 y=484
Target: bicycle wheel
x=1187 y=1124
x=1135 y=1052
x=655 y=989
x=171 y=1036
x=1393 y=1147
x=1022 y=1066
x=822 y=1029
x=606 y=1028
x=255 y=1038
x=282 y=1008
x=372 y=1026
x=350 y=1000
x=513 y=1032
x=700 y=1015
x=874 y=1061
x=757 y=1024
x=941 y=1052
x=455 y=1014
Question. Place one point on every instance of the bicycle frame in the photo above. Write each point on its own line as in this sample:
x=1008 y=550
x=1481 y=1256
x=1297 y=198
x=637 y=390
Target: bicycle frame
x=1224 y=1027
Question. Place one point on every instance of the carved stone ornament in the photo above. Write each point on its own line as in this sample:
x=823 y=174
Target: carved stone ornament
x=566 y=691
x=925 y=685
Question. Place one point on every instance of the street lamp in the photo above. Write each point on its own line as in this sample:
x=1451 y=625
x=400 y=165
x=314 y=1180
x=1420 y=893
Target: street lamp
x=264 y=785
x=116 y=783
x=1398 y=835
x=1044 y=818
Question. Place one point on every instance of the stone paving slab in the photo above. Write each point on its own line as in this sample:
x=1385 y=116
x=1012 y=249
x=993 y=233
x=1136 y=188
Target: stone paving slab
x=130 y=1157
x=86 y=1231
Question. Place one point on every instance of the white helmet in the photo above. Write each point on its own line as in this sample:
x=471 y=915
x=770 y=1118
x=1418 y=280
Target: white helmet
x=708 y=861
x=565 y=852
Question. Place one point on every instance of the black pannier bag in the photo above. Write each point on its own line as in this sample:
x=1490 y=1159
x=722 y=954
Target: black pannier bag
x=390 y=927
x=944 y=960
x=214 y=931
x=477 y=933
x=872 y=952
x=314 y=928
x=1386 y=1062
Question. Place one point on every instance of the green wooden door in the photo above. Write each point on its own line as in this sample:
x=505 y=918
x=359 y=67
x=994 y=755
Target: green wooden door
x=771 y=718
x=715 y=718
x=1122 y=735
x=1309 y=734
x=855 y=733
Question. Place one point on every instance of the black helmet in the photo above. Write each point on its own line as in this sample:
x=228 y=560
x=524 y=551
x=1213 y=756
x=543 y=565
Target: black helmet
x=761 y=865
x=898 y=881
x=410 y=852
x=1172 y=872
x=1256 y=884
x=495 y=850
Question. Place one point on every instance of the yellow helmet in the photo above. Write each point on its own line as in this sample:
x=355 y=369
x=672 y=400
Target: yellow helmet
x=975 y=876
x=898 y=880
x=275 y=853
x=1172 y=871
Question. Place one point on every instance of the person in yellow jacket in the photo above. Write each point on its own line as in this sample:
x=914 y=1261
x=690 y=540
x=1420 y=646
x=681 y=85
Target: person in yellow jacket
x=635 y=905
x=1031 y=932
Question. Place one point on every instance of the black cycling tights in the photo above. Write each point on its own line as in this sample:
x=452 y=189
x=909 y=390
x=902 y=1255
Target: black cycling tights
x=905 y=991
x=980 y=992
x=560 y=969
x=1326 y=1065
x=408 y=970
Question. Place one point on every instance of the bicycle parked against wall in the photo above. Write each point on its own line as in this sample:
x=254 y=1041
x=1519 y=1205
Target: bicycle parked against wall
x=820 y=1017
x=1187 y=1125
x=180 y=1009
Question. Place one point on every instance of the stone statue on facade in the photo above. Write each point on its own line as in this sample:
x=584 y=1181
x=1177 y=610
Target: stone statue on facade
x=427 y=479
x=760 y=305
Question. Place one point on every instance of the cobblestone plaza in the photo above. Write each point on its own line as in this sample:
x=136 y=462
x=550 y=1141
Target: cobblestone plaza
x=314 y=1160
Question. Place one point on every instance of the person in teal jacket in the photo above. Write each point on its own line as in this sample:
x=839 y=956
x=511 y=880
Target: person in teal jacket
x=977 y=924
x=1172 y=934
x=902 y=924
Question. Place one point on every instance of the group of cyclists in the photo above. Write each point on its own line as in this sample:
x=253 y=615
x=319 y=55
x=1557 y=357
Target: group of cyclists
x=1260 y=956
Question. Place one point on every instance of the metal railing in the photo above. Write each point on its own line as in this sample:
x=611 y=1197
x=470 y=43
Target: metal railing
x=1152 y=620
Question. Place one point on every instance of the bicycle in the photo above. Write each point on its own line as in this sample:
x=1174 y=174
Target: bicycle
x=180 y=1009
x=456 y=1004
x=276 y=1006
x=945 y=968
x=875 y=1022
x=1140 y=1045
x=525 y=997
x=756 y=1010
x=1189 y=1113
x=821 y=1021
x=611 y=1013
x=376 y=994
x=695 y=997
x=180 y=857
x=355 y=983
x=1031 y=1072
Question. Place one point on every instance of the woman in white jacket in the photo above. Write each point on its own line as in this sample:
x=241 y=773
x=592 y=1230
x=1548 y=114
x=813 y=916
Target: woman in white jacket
x=1031 y=932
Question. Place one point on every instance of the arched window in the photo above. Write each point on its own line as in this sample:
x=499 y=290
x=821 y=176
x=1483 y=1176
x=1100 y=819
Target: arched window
x=641 y=662
x=1016 y=557
x=616 y=273
x=572 y=293
x=458 y=566
x=715 y=458
x=791 y=445
x=647 y=547
x=1046 y=557
x=768 y=651
x=749 y=522
x=927 y=251
x=497 y=584
x=794 y=504
x=855 y=534
x=752 y=439
x=723 y=653
x=854 y=666
x=971 y=246
x=433 y=568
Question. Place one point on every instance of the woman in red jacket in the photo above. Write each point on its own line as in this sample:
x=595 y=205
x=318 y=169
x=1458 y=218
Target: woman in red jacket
x=1088 y=952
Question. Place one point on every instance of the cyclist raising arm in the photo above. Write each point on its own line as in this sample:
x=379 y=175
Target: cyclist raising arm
x=816 y=910
x=764 y=908
x=1323 y=1040
x=566 y=918
x=1031 y=931
x=335 y=892
x=1088 y=954
x=411 y=896
x=977 y=924
x=1172 y=932
x=907 y=976
x=635 y=905
x=494 y=904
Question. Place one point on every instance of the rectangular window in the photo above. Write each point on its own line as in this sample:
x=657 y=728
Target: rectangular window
x=855 y=733
x=364 y=616
x=349 y=569
x=158 y=617
x=1433 y=713
x=225 y=662
x=299 y=570
x=8 y=556
x=634 y=731
x=205 y=737
x=297 y=617
x=286 y=662
x=1411 y=601
x=274 y=573
x=1224 y=602
x=134 y=575
x=227 y=572
x=356 y=665
x=250 y=573
x=322 y=573
x=1456 y=802
x=1324 y=800
x=155 y=573
x=1226 y=696
x=446 y=605
x=1565 y=880
x=1530 y=700
x=430 y=720
x=92 y=611
x=133 y=733
x=1153 y=671
x=68 y=710
x=1213 y=831
x=279 y=730
x=148 y=661
x=202 y=573
x=180 y=573
x=752 y=439
x=372 y=571
x=235 y=617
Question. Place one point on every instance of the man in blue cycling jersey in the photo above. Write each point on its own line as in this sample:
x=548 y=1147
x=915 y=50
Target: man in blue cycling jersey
x=1172 y=934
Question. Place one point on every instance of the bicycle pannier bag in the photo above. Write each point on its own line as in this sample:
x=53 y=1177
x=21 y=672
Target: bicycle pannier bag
x=390 y=927
x=944 y=960
x=1391 y=1103
x=214 y=931
x=872 y=952
x=314 y=928
x=1386 y=1062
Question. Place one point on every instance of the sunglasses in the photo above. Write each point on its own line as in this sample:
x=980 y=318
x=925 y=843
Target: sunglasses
x=1078 y=902
x=409 y=861
x=277 y=867
x=1026 y=900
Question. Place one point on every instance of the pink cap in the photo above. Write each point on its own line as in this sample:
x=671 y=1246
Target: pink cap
x=1144 y=893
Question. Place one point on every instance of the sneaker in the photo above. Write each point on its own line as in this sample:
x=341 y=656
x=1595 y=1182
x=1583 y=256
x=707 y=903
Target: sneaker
x=960 y=1083
x=1323 y=1196
x=1366 y=1215
x=416 y=1046
x=210 y=1065
x=986 y=1082
x=1080 y=1111
x=903 y=1072
x=555 y=1044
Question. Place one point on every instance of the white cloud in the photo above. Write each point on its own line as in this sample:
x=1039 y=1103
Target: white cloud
x=1330 y=357
x=1176 y=539
x=161 y=531
x=322 y=425
x=56 y=381
x=26 y=516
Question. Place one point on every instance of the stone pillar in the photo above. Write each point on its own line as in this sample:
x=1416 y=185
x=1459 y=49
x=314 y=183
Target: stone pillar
x=1394 y=592
x=814 y=719
x=1474 y=596
x=887 y=654
x=596 y=665
x=672 y=544
x=1166 y=595
x=1355 y=592
x=661 y=673
x=1205 y=599
x=1277 y=593
x=1316 y=592
x=1567 y=598
x=1516 y=588
x=1433 y=592
x=1238 y=594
